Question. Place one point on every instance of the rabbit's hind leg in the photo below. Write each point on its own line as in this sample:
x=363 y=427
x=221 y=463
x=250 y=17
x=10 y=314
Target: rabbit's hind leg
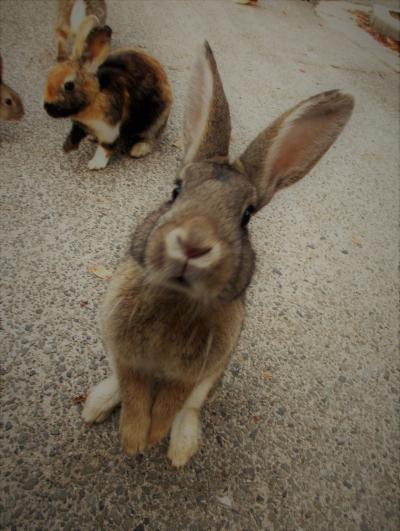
x=102 y=399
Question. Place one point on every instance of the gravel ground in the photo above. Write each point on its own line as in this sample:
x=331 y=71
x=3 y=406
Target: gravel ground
x=304 y=433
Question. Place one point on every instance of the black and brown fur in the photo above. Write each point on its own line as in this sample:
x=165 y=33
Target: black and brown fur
x=175 y=306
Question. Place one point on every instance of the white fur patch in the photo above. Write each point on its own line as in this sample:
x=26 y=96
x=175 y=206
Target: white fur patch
x=199 y=394
x=185 y=437
x=101 y=400
x=140 y=149
x=99 y=160
x=78 y=13
x=104 y=132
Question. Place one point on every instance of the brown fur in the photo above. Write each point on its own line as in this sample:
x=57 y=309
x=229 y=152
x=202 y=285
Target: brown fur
x=175 y=306
x=63 y=30
x=11 y=106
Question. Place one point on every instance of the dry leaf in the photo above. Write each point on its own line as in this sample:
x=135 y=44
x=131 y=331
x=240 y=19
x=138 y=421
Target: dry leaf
x=302 y=70
x=364 y=23
x=100 y=271
x=78 y=399
x=355 y=241
x=266 y=375
x=226 y=501
x=178 y=143
x=83 y=304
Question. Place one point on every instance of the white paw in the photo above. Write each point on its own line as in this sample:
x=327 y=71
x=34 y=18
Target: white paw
x=101 y=400
x=100 y=159
x=185 y=437
x=140 y=149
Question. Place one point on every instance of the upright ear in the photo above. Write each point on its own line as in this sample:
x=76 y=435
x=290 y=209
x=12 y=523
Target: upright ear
x=207 y=127
x=92 y=43
x=287 y=150
x=61 y=38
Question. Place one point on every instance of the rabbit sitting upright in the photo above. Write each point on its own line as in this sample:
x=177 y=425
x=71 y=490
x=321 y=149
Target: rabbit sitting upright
x=122 y=98
x=175 y=306
x=11 y=106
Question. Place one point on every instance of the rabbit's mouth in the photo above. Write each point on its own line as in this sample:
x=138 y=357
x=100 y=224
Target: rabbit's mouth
x=181 y=281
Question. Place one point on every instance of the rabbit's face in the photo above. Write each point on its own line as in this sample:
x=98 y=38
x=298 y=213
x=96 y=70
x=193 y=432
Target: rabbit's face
x=11 y=107
x=68 y=90
x=201 y=245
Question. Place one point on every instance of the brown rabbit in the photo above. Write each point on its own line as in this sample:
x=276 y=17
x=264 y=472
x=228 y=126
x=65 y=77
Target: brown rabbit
x=122 y=98
x=11 y=106
x=70 y=14
x=174 y=309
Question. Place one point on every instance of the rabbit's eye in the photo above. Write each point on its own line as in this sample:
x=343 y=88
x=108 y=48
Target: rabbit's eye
x=69 y=86
x=177 y=190
x=9 y=102
x=246 y=216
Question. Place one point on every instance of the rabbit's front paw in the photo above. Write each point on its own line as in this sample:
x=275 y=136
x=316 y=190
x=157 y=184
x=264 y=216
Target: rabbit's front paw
x=69 y=146
x=185 y=437
x=100 y=159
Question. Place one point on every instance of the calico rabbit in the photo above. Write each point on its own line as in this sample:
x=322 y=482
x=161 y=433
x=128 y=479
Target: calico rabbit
x=175 y=305
x=122 y=98
x=70 y=14
x=11 y=106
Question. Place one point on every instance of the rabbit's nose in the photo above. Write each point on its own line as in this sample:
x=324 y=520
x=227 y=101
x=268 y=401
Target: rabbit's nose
x=185 y=245
x=193 y=252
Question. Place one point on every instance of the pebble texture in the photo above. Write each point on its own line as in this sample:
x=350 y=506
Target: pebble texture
x=304 y=433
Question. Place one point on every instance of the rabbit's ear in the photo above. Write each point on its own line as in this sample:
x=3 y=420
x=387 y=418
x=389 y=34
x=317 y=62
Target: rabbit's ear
x=85 y=27
x=287 y=150
x=207 y=126
x=92 y=43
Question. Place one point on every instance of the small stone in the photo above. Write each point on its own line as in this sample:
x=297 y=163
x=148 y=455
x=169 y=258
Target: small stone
x=22 y=439
x=281 y=411
x=259 y=499
x=347 y=483
x=344 y=251
x=30 y=483
x=120 y=490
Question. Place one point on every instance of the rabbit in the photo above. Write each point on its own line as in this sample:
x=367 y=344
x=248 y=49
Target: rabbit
x=11 y=106
x=122 y=98
x=70 y=14
x=174 y=309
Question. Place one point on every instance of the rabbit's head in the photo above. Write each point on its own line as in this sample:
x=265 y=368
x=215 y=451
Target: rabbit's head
x=11 y=106
x=198 y=242
x=72 y=83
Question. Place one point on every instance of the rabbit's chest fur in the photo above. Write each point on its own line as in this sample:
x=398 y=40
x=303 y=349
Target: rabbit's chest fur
x=95 y=119
x=166 y=334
